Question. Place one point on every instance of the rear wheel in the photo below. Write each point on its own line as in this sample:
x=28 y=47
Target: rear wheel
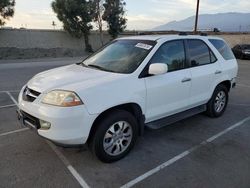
x=218 y=103
x=115 y=136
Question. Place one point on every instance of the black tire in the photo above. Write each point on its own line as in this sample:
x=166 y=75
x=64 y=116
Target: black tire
x=97 y=141
x=211 y=107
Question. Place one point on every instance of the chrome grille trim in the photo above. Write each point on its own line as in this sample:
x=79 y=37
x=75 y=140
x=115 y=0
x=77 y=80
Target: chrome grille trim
x=30 y=95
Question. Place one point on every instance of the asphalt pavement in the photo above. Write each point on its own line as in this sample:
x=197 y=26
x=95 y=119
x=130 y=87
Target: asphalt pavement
x=196 y=152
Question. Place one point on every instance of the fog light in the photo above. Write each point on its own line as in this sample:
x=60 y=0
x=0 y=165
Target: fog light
x=45 y=125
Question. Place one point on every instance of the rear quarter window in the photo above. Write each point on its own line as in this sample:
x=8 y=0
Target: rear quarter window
x=199 y=52
x=223 y=48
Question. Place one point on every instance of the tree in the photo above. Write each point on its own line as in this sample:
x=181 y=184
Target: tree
x=76 y=16
x=6 y=10
x=114 y=16
x=98 y=9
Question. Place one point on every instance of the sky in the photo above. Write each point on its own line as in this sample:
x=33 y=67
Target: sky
x=141 y=14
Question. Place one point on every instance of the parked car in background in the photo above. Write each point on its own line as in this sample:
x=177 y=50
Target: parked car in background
x=242 y=51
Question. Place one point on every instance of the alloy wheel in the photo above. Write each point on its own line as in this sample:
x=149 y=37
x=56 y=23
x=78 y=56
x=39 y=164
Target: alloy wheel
x=117 y=138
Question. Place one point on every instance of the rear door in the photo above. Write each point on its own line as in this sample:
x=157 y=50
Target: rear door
x=228 y=62
x=204 y=68
x=168 y=93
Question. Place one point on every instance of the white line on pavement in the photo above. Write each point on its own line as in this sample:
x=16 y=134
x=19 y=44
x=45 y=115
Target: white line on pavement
x=75 y=174
x=12 y=98
x=6 y=106
x=16 y=131
x=65 y=161
x=182 y=155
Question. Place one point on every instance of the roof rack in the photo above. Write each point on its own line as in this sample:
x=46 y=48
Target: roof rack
x=183 y=33
x=142 y=33
x=203 y=34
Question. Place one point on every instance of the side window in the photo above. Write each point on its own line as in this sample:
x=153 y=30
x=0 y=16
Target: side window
x=223 y=48
x=212 y=57
x=199 y=53
x=171 y=53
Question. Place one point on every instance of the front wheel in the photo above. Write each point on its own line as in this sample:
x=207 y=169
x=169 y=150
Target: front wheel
x=216 y=106
x=115 y=136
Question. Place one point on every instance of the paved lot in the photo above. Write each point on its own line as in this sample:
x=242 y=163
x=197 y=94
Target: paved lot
x=196 y=152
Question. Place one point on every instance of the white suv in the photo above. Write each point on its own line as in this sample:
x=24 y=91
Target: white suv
x=133 y=82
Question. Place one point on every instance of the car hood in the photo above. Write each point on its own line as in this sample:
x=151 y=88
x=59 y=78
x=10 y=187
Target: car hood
x=60 y=78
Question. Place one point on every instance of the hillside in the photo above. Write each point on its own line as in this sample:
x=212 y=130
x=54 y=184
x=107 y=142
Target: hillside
x=228 y=22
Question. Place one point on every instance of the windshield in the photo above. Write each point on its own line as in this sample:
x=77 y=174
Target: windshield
x=246 y=47
x=121 y=56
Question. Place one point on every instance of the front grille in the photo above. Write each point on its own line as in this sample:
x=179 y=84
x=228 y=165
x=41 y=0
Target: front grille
x=30 y=95
x=31 y=119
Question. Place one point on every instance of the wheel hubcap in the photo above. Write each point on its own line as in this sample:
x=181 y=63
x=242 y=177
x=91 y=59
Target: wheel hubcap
x=220 y=101
x=117 y=138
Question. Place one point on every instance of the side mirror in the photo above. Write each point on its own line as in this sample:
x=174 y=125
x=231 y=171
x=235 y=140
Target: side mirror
x=158 y=68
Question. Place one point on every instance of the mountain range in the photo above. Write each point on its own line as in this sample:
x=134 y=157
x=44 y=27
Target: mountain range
x=227 y=22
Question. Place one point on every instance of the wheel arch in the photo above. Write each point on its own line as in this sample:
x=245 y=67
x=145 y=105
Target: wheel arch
x=132 y=108
x=210 y=104
x=226 y=83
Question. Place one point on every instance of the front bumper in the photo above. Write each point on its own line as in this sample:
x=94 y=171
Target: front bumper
x=246 y=55
x=69 y=125
x=233 y=83
x=27 y=120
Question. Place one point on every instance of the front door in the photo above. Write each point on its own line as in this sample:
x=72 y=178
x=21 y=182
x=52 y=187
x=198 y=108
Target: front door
x=168 y=93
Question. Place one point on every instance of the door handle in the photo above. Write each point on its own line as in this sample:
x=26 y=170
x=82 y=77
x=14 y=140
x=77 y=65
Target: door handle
x=218 y=72
x=186 y=80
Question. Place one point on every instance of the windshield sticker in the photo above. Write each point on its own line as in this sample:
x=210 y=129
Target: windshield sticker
x=143 y=46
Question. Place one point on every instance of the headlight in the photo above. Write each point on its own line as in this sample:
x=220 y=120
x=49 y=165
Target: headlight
x=62 y=98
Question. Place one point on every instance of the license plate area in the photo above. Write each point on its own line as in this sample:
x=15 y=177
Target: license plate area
x=27 y=120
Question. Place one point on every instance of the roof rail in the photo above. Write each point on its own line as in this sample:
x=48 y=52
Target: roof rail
x=203 y=34
x=183 y=33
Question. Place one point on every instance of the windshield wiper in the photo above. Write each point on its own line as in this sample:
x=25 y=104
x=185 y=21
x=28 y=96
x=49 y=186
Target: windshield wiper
x=95 y=66
x=83 y=64
x=99 y=67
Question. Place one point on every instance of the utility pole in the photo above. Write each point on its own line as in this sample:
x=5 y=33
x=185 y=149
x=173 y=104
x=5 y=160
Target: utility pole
x=54 y=24
x=197 y=16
